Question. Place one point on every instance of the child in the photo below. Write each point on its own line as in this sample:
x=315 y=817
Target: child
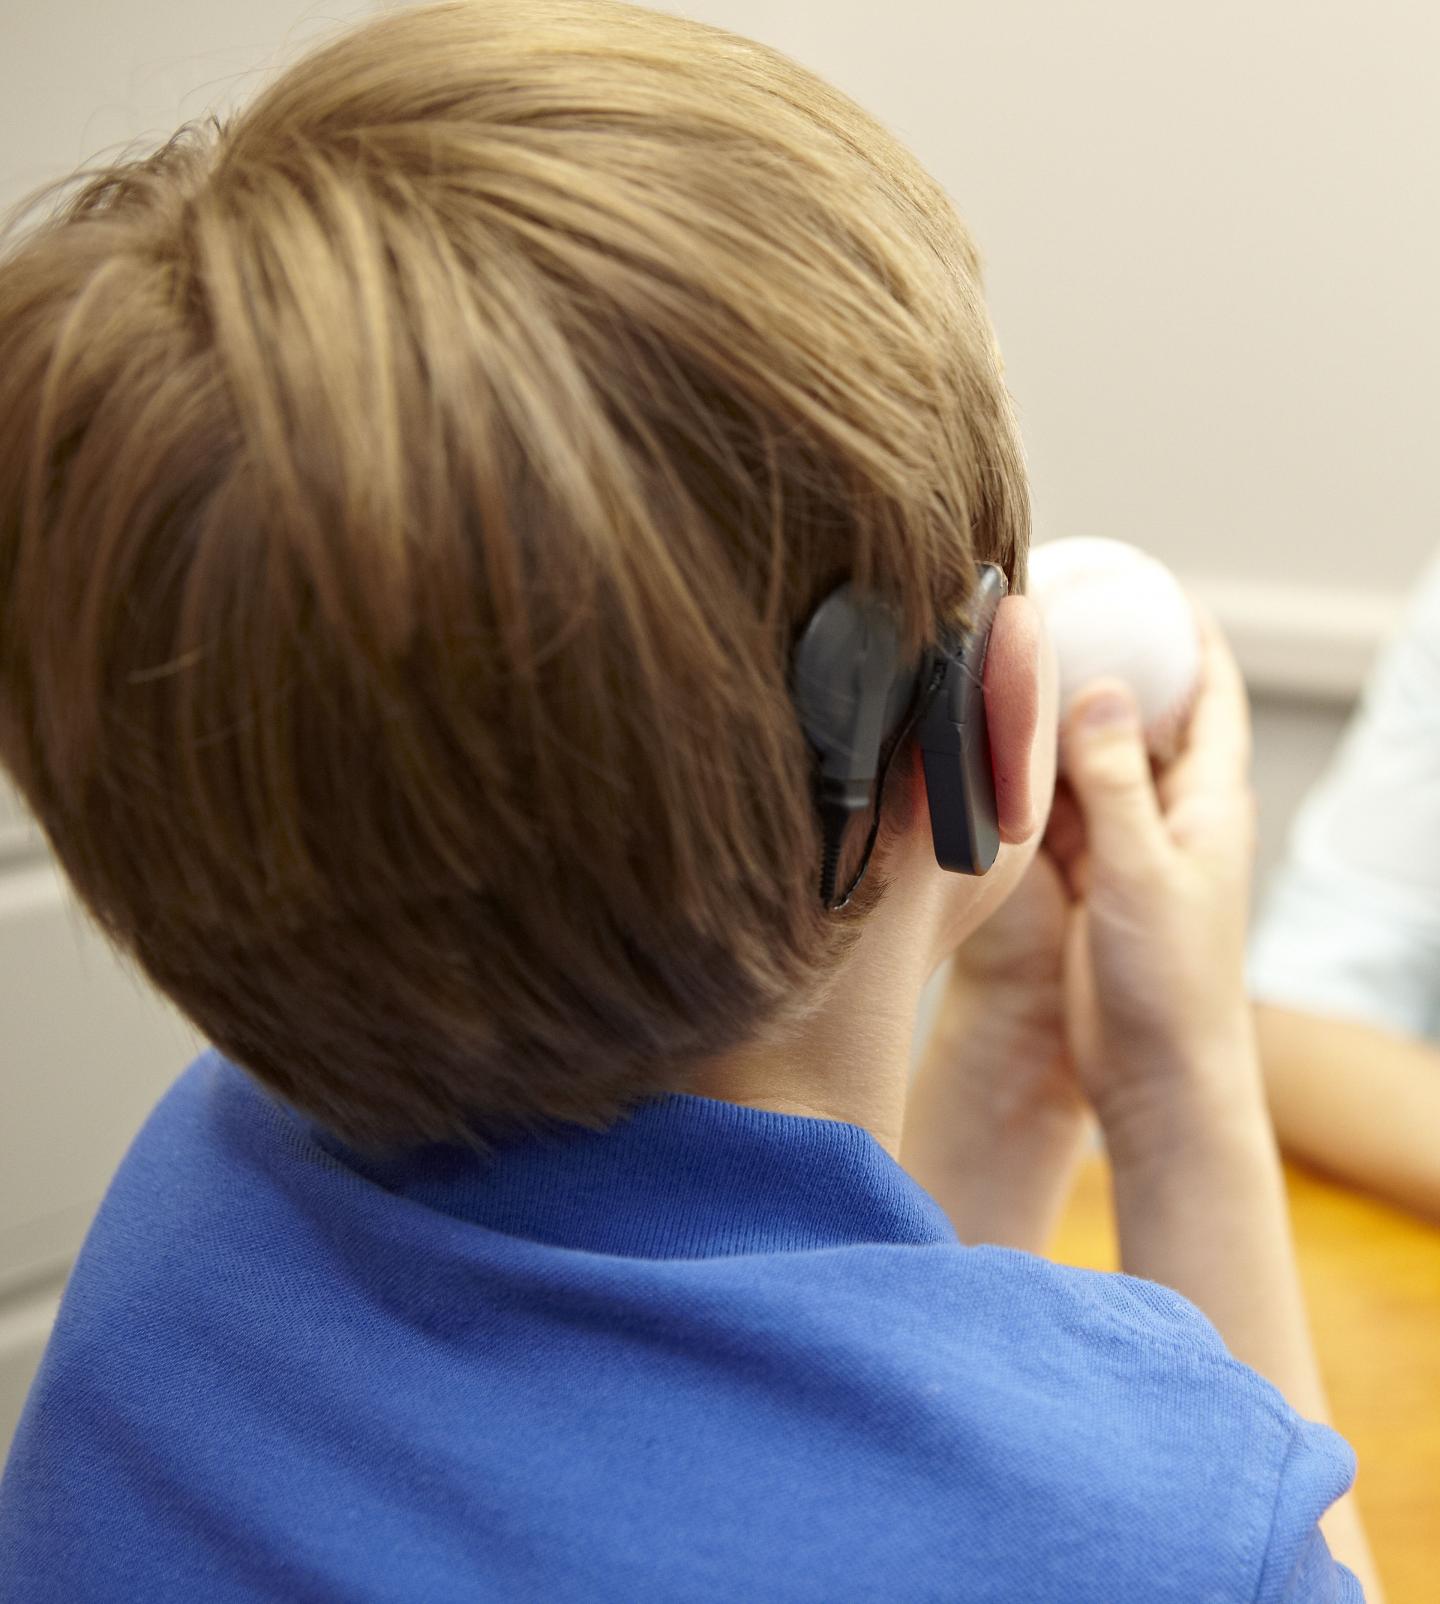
x=419 y=500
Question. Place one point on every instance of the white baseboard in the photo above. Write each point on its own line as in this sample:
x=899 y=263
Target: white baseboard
x=1312 y=643
x=19 y=837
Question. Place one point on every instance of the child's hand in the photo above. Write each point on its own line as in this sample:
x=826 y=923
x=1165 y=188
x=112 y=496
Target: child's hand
x=995 y=1122
x=1155 y=997
x=1017 y=954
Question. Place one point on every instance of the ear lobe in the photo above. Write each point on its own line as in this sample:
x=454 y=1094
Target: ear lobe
x=1012 y=714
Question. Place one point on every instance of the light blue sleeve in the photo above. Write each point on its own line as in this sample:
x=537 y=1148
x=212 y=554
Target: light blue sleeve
x=1298 y=1566
x=1320 y=1579
x=1351 y=923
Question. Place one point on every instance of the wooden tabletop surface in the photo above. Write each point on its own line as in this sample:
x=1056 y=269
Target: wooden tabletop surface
x=1372 y=1282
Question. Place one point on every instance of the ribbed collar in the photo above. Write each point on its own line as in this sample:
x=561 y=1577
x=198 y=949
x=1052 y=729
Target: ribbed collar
x=682 y=1177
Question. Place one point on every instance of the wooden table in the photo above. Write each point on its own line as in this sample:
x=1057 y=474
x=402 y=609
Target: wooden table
x=1372 y=1283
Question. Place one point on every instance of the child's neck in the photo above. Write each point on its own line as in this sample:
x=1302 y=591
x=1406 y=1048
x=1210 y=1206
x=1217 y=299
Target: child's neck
x=850 y=1059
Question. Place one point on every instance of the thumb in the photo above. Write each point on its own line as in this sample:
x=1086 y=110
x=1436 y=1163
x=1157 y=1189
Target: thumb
x=1103 y=754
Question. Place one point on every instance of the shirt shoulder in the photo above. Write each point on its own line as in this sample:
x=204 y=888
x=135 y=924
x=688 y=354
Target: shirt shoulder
x=1112 y=1405
x=1299 y=1568
x=1173 y=1339
x=252 y=1330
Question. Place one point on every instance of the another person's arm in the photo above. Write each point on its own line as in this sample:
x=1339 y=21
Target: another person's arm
x=1358 y=1101
x=1345 y=957
x=1163 y=1040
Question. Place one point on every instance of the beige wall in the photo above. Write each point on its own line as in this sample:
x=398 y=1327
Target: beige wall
x=1212 y=249
x=80 y=80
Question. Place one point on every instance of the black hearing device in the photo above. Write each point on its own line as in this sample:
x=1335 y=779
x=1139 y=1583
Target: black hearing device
x=858 y=701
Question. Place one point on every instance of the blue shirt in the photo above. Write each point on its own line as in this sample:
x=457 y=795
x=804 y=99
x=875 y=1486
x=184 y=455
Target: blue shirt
x=712 y=1354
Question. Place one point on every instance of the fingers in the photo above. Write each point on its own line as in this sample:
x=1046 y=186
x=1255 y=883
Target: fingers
x=1065 y=828
x=1105 y=761
x=1065 y=838
x=1216 y=755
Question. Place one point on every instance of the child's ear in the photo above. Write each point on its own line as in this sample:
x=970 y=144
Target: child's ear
x=1014 y=674
x=1012 y=713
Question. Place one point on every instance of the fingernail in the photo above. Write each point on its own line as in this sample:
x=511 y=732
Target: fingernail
x=1107 y=709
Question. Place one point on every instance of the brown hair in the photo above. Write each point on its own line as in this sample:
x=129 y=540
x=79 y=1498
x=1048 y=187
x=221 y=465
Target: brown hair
x=409 y=494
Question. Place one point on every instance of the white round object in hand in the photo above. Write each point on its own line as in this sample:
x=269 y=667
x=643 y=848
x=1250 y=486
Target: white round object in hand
x=1113 y=611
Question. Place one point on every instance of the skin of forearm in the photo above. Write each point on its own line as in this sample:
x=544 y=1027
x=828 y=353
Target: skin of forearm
x=1356 y=1101
x=995 y=1127
x=1204 y=1211
x=1200 y=1206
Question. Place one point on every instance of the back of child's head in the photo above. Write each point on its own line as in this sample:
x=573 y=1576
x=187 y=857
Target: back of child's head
x=409 y=494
